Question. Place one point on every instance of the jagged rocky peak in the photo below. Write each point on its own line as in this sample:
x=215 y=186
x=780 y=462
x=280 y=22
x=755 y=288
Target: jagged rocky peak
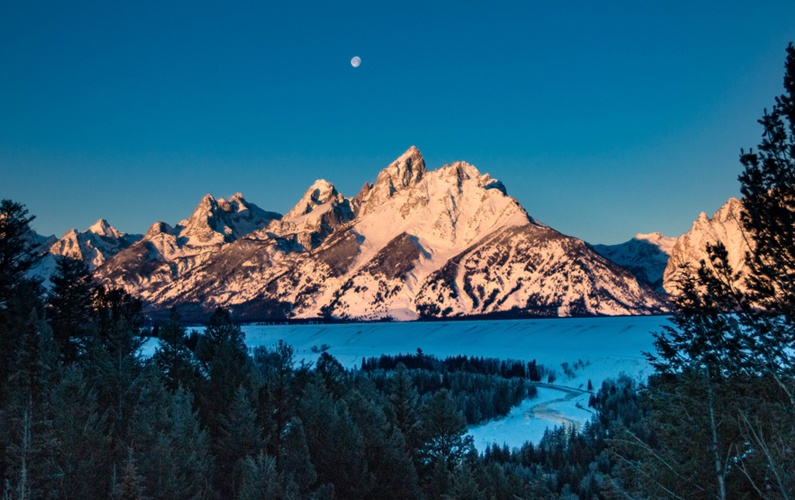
x=201 y=223
x=463 y=171
x=319 y=193
x=404 y=173
x=730 y=211
x=158 y=228
x=724 y=226
x=102 y=228
x=645 y=255
x=203 y=211
x=236 y=203
x=366 y=188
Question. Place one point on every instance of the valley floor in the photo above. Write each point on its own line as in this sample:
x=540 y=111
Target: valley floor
x=579 y=350
x=553 y=407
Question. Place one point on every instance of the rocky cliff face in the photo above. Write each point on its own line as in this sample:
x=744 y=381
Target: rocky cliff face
x=165 y=254
x=447 y=242
x=690 y=248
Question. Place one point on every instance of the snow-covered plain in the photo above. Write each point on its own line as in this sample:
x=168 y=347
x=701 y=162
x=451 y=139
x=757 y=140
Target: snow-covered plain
x=595 y=349
x=529 y=420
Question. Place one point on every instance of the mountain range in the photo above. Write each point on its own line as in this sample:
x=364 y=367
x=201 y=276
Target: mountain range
x=415 y=244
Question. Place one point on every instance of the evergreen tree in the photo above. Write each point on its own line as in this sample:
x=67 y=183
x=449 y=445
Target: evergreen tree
x=768 y=218
x=385 y=449
x=70 y=306
x=78 y=427
x=277 y=392
x=18 y=294
x=260 y=479
x=130 y=487
x=239 y=437
x=172 y=452
x=445 y=438
x=113 y=363
x=30 y=439
x=294 y=461
x=404 y=402
x=224 y=364
x=173 y=358
x=18 y=252
x=335 y=443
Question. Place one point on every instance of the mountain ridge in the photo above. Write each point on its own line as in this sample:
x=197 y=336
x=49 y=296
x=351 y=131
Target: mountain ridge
x=416 y=243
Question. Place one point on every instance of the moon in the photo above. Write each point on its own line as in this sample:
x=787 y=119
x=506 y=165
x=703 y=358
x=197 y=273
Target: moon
x=356 y=61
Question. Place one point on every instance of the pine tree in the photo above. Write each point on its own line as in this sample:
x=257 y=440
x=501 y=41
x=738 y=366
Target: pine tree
x=260 y=479
x=29 y=436
x=277 y=392
x=224 y=364
x=239 y=437
x=294 y=461
x=444 y=432
x=19 y=296
x=172 y=452
x=385 y=449
x=335 y=443
x=130 y=487
x=70 y=305
x=113 y=362
x=78 y=427
x=173 y=358
x=768 y=218
x=404 y=402
x=18 y=252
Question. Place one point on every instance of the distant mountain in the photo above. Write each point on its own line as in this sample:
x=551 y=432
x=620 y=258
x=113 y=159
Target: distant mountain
x=645 y=255
x=166 y=253
x=441 y=243
x=94 y=246
x=690 y=248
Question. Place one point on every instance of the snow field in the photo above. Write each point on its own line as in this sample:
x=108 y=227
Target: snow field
x=595 y=349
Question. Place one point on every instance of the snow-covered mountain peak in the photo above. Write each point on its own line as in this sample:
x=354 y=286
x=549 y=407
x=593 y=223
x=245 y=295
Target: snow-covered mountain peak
x=664 y=243
x=730 y=211
x=443 y=242
x=102 y=228
x=158 y=228
x=402 y=174
x=690 y=248
x=319 y=193
x=94 y=246
x=215 y=222
x=461 y=170
x=200 y=227
x=645 y=255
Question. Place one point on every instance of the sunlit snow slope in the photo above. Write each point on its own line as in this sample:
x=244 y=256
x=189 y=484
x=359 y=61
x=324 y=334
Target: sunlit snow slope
x=441 y=243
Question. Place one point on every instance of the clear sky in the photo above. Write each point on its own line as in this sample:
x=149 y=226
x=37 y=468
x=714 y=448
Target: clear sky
x=603 y=118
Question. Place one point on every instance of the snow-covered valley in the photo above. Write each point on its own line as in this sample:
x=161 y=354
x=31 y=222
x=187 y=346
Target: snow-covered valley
x=579 y=350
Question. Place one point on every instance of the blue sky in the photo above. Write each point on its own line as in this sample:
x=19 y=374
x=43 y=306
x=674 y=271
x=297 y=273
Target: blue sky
x=603 y=118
